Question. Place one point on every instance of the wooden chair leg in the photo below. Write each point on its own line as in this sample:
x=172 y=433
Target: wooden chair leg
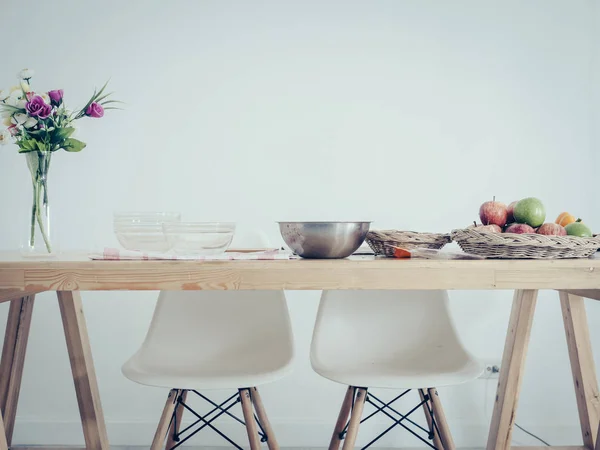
x=272 y=443
x=249 y=419
x=335 y=442
x=427 y=408
x=440 y=419
x=82 y=367
x=175 y=424
x=13 y=358
x=582 y=366
x=165 y=420
x=511 y=370
x=355 y=416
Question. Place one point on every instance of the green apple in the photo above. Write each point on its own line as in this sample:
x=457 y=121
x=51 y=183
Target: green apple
x=578 y=229
x=531 y=211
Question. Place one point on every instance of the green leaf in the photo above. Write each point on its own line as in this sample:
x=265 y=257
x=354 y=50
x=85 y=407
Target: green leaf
x=60 y=134
x=112 y=101
x=102 y=90
x=27 y=145
x=39 y=134
x=11 y=108
x=73 y=145
x=41 y=146
x=99 y=99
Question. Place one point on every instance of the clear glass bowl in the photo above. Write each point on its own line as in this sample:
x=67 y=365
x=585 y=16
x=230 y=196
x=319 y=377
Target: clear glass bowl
x=199 y=238
x=143 y=231
x=143 y=239
x=130 y=217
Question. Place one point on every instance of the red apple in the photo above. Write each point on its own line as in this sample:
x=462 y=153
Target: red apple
x=492 y=228
x=510 y=216
x=489 y=228
x=519 y=228
x=552 y=229
x=493 y=213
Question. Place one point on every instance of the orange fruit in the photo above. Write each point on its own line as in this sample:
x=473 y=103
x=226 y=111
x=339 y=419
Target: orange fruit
x=565 y=219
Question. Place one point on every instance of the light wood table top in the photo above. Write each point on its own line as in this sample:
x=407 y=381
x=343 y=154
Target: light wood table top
x=74 y=271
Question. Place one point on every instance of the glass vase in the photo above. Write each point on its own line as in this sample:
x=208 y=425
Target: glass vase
x=39 y=243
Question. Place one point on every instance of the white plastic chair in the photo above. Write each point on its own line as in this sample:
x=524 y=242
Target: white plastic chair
x=202 y=340
x=389 y=339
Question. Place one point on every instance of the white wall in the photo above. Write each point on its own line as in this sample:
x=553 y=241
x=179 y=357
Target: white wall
x=406 y=113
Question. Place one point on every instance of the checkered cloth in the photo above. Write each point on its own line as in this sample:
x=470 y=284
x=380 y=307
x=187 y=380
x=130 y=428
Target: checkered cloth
x=115 y=254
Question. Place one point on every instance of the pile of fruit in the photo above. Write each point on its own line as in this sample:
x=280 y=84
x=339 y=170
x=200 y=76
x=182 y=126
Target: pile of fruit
x=527 y=216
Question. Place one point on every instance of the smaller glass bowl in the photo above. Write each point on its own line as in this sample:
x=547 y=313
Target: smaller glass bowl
x=143 y=231
x=143 y=239
x=199 y=238
x=159 y=217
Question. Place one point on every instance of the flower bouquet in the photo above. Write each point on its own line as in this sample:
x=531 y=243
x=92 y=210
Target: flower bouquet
x=40 y=124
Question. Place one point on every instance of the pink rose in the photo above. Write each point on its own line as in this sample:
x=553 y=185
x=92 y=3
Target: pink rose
x=45 y=112
x=37 y=107
x=56 y=96
x=94 y=110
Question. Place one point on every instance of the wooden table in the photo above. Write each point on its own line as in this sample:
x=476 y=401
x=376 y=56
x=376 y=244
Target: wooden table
x=21 y=279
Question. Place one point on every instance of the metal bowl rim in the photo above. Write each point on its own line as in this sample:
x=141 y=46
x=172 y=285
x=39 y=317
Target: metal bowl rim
x=328 y=222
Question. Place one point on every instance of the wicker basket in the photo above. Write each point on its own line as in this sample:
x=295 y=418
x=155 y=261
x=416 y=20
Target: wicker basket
x=382 y=242
x=524 y=246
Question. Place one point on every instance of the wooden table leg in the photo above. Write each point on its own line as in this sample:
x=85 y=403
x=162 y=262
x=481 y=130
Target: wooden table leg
x=8 y=295
x=511 y=370
x=582 y=365
x=3 y=442
x=14 y=348
x=82 y=366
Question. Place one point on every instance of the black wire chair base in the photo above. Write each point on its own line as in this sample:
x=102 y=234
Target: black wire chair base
x=202 y=422
x=399 y=419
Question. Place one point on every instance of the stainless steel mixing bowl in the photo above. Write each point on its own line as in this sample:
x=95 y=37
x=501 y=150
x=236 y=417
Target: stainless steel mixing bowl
x=324 y=240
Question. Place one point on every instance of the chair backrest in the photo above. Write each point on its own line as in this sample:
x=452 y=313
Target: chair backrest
x=381 y=324
x=203 y=324
x=206 y=324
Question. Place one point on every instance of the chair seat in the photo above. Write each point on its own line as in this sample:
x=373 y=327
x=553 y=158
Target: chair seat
x=418 y=372
x=247 y=369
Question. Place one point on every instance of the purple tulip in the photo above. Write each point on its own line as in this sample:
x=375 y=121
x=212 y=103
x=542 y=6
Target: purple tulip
x=94 y=110
x=56 y=97
x=37 y=107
